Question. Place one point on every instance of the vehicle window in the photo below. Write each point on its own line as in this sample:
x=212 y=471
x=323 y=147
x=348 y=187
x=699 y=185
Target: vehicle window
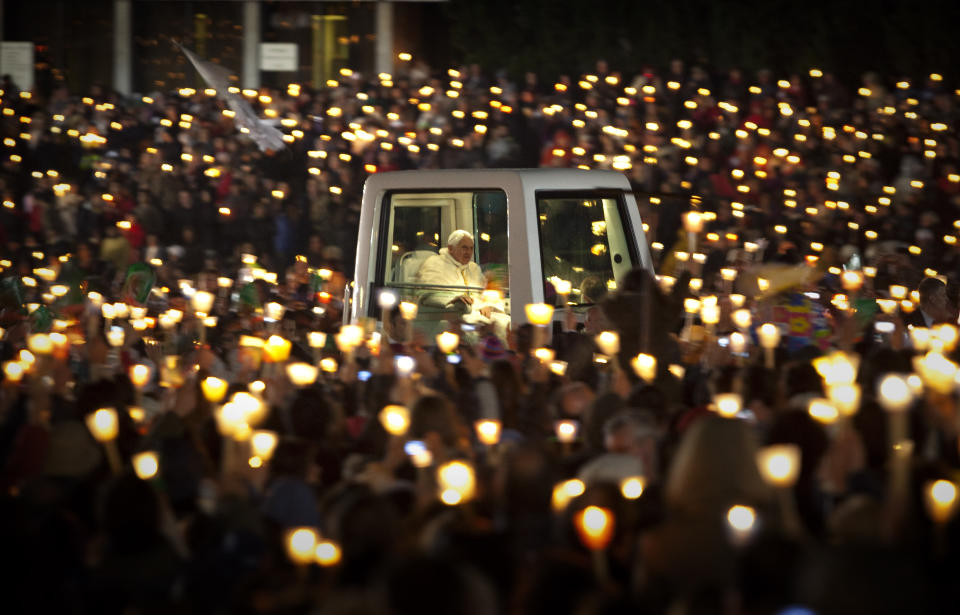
x=583 y=240
x=446 y=285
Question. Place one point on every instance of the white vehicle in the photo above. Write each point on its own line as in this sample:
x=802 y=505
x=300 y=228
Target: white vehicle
x=531 y=227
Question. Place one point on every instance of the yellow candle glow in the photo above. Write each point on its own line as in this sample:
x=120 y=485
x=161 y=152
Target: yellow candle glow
x=823 y=411
x=544 y=355
x=213 y=388
x=408 y=310
x=456 y=482
x=327 y=553
x=395 y=419
x=40 y=344
x=349 y=338
x=103 y=424
x=565 y=491
x=645 y=366
x=632 y=487
x=940 y=498
x=779 y=464
x=317 y=339
x=447 y=342
x=145 y=465
x=276 y=349
x=139 y=375
x=302 y=374
x=845 y=397
x=274 y=310
x=539 y=313
x=301 y=545
x=488 y=431
x=566 y=430
x=595 y=526
x=894 y=393
x=202 y=302
x=608 y=342
x=262 y=443
x=728 y=405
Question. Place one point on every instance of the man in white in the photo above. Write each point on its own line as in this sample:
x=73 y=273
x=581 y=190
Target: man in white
x=454 y=267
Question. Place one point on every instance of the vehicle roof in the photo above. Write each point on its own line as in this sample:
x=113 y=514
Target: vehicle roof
x=553 y=179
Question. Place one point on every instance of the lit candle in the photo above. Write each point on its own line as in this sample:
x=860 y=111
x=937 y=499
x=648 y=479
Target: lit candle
x=456 y=482
x=395 y=419
x=566 y=430
x=301 y=545
x=728 y=405
x=262 y=443
x=645 y=366
x=566 y=491
x=408 y=310
x=302 y=374
x=145 y=465
x=104 y=425
x=214 y=389
x=940 y=498
x=488 y=431
x=769 y=336
x=447 y=342
x=608 y=342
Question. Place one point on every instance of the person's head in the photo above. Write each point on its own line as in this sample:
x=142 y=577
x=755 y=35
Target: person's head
x=460 y=246
x=933 y=299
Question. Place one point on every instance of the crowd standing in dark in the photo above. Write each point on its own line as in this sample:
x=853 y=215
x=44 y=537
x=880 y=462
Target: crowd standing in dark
x=186 y=427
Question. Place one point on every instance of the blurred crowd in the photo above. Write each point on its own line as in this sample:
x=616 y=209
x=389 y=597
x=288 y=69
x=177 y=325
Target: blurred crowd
x=768 y=426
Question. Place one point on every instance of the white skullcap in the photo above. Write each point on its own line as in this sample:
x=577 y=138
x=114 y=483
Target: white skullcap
x=457 y=236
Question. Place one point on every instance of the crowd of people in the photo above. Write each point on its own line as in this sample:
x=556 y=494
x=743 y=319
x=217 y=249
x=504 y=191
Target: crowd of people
x=185 y=425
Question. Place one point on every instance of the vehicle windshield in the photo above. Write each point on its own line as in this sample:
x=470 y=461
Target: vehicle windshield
x=448 y=256
x=583 y=242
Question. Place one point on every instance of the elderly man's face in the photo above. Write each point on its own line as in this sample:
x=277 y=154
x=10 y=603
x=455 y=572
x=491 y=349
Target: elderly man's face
x=463 y=251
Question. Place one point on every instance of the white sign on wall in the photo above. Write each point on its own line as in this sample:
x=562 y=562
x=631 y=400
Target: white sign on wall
x=278 y=56
x=16 y=60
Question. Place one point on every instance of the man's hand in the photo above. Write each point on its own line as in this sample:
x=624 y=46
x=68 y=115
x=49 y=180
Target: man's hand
x=486 y=311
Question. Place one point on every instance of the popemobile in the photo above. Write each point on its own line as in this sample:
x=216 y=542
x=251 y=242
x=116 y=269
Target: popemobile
x=562 y=237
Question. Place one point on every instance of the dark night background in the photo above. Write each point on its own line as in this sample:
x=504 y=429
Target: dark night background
x=550 y=37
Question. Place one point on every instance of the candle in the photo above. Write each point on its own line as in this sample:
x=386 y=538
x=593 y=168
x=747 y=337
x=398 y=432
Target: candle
x=145 y=465
x=408 y=310
x=741 y=520
x=742 y=319
x=202 y=302
x=539 y=313
x=456 y=482
x=327 y=553
x=823 y=411
x=447 y=342
x=566 y=491
x=40 y=344
x=276 y=349
x=779 y=464
x=104 y=425
x=488 y=431
x=302 y=374
x=608 y=342
x=544 y=355
x=631 y=488
x=728 y=405
x=595 y=526
x=214 y=389
x=645 y=366
x=395 y=419
x=566 y=430
x=139 y=375
x=769 y=336
x=387 y=299
x=940 y=498
x=274 y=311
x=262 y=443
x=301 y=545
